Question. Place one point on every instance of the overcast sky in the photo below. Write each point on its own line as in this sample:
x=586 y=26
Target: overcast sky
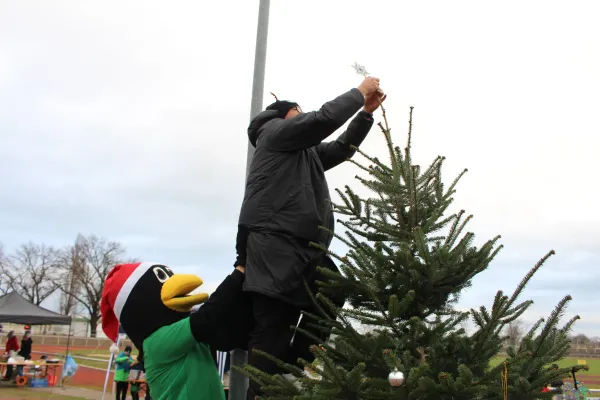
x=128 y=120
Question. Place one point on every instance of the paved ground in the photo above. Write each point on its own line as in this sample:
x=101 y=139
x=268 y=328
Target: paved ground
x=26 y=393
x=77 y=392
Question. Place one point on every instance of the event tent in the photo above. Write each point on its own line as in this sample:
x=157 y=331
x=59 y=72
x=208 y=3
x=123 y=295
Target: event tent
x=14 y=308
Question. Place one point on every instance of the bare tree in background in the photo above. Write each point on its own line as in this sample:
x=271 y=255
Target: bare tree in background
x=3 y=264
x=31 y=271
x=515 y=332
x=72 y=262
x=580 y=340
x=92 y=259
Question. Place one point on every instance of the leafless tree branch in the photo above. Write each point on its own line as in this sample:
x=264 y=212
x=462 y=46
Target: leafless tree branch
x=31 y=272
x=515 y=332
x=84 y=269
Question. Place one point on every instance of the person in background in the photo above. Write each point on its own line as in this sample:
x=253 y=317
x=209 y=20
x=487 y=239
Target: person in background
x=558 y=383
x=138 y=366
x=12 y=344
x=123 y=364
x=26 y=343
x=140 y=363
x=25 y=351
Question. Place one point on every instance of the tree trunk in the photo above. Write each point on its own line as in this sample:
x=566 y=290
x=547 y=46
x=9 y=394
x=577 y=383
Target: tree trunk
x=94 y=318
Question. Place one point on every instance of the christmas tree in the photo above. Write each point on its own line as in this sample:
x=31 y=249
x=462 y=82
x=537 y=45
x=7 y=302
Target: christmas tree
x=407 y=263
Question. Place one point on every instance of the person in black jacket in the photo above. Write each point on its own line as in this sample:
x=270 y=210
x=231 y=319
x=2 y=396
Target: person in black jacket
x=286 y=203
x=558 y=383
x=26 y=344
x=25 y=351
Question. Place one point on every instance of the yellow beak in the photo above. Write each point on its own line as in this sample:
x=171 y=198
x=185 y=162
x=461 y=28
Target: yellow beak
x=175 y=292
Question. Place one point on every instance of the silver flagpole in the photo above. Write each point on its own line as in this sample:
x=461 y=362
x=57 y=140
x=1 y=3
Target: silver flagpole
x=238 y=383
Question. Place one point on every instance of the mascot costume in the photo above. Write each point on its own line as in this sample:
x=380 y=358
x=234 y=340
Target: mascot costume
x=153 y=306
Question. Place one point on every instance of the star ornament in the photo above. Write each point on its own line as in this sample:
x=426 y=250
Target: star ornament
x=360 y=69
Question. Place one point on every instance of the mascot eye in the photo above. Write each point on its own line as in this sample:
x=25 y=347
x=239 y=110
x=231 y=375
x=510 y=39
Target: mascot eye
x=161 y=275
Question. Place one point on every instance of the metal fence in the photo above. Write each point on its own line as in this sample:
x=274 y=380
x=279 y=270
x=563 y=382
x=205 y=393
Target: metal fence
x=61 y=341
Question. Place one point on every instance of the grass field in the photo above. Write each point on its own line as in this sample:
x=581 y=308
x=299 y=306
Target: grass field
x=91 y=354
x=593 y=363
x=591 y=378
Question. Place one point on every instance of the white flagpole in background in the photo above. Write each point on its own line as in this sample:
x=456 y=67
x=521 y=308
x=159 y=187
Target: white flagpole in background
x=110 y=361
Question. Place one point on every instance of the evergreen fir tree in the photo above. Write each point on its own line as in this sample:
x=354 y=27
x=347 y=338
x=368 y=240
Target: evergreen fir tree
x=408 y=262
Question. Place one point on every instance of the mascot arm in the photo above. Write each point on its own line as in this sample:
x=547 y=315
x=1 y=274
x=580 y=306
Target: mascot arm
x=223 y=322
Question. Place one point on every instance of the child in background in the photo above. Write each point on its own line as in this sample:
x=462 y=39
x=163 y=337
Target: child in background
x=123 y=363
x=137 y=367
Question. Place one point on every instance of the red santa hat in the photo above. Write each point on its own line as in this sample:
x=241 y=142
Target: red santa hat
x=119 y=283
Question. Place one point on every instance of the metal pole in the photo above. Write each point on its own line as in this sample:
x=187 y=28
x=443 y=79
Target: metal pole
x=62 y=380
x=238 y=383
x=260 y=58
x=108 y=367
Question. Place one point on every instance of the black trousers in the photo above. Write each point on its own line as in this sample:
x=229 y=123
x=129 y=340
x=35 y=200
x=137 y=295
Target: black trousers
x=9 y=372
x=122 y=390
x=273 y=334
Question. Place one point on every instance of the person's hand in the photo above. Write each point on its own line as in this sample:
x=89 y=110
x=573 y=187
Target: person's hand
x=241 y=268
x=368 y=86
x=373 y=101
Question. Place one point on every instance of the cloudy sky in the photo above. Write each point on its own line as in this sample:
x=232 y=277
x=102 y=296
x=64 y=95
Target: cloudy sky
x=127 y=120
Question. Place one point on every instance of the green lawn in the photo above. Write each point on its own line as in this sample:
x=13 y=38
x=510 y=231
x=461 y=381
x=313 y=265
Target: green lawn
x=98 y=354
x=593 y=363
x=92 y=353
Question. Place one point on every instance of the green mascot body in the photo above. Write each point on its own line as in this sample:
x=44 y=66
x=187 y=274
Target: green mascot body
x=153 y=306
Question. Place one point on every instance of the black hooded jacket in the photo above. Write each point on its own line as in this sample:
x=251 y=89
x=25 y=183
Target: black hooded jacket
x=287 y=197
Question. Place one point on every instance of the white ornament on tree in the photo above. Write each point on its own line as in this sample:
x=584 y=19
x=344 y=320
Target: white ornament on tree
x=396 y=378
x=114 y=349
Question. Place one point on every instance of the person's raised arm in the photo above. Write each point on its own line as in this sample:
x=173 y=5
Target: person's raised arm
x=337 y=151
x=211 y=324
x=309 y=129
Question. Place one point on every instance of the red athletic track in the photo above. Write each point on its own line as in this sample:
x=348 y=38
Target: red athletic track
x=88 y=377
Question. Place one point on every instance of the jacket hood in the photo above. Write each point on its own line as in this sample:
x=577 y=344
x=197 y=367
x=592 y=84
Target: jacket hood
x=257 y=123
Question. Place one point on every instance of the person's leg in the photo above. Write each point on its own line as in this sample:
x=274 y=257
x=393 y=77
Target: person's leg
x=301 y=342
x=122 y=390
x=134 y=392
x=271 y=334
x=118 y=390
x=125 y=389
x=9 y=372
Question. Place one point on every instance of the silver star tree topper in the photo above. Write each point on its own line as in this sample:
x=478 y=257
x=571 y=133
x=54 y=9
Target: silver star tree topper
x=360 y=69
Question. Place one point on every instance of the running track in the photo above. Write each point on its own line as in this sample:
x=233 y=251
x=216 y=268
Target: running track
x=87 y=377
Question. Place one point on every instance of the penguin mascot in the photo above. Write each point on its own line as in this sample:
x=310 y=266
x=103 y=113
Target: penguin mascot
x=153 y=305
